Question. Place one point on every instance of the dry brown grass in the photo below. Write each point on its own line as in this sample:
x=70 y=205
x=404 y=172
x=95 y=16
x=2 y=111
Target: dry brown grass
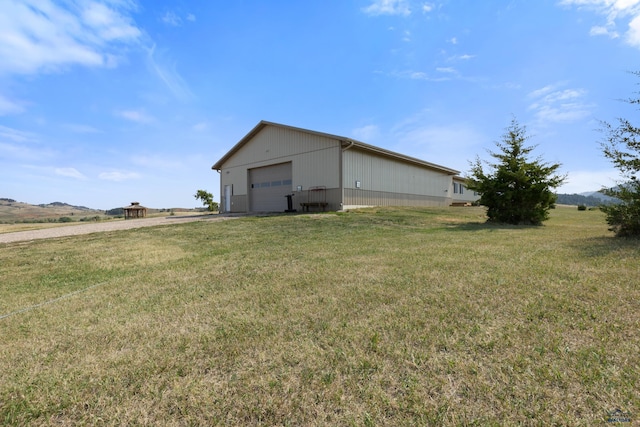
x=373 y=317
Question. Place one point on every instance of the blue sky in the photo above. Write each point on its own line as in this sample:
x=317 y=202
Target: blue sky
x=103 y=102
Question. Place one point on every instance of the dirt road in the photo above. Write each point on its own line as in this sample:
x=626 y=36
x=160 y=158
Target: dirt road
x=97 y=227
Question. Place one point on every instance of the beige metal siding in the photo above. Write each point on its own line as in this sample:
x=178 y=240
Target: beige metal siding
x=315 y=161
x=239 y=203
x=333 y=198
x=355 y=198
x=386 y=181
x=462 y=194
x=318 y=168
x=237 y=178
x=277 y=145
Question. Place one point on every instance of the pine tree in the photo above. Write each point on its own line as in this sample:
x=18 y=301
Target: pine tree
x=515 y=190
x=622 y=147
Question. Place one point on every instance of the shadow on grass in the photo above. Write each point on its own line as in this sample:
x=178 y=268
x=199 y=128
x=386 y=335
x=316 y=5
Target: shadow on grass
x=489 y=226
x=601 y=246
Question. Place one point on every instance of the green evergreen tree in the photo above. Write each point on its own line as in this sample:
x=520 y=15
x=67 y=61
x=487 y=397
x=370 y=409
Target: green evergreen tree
x=515 y=190
x=622 y=147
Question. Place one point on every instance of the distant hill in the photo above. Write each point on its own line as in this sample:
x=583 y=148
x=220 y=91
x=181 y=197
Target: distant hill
x=66 y=205
x=13 y=211
x=591 y=198
x=599 y=195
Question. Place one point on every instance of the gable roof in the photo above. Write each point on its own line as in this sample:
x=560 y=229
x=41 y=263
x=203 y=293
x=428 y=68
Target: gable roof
x=351 y=143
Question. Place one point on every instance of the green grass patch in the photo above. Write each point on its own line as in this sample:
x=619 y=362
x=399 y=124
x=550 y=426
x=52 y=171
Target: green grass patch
x=381 y=316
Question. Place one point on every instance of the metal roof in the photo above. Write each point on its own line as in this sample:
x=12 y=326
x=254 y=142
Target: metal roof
x=351 y=143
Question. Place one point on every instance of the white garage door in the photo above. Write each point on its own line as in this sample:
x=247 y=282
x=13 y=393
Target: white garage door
x=268 y=187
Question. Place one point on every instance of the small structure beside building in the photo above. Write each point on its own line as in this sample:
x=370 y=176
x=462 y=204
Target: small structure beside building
x=135 y=211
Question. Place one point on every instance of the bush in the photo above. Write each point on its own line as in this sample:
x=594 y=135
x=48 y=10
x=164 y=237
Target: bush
x=622 y=147
x=582 y=208
x=624 y=218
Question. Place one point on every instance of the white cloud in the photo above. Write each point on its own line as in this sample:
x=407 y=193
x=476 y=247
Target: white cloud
x=614 y=11
x=554 y=105
x=633 y=35
x=200 y=127
x=452 y=144
x=603 y=31
x=582 y=181
x=45 y=36
x=16 y=135
x=542 y=91
x=118 y=176
x=170 y=18
x=438 y=138
x=366 y=133
x=388 y=7
x=506 y=85
x=168 y=75
x=427 y=7
x=564 y=95
x=69 y=172
x=173 y=19
x=107 y=23
x=16 y=144
x=464 y=57
x=135 y=116
x=417 y=75
x=448 y=70
x=564 y=113
x=8 y=106
x=78 y=128
x=14 y=152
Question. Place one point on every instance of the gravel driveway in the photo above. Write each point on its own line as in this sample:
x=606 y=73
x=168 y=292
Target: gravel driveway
x=97 y=227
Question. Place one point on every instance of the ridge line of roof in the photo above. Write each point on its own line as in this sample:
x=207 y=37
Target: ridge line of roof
x=368 y=147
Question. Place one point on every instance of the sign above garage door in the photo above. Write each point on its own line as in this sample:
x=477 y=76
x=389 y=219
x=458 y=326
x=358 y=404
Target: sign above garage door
x=268 y=187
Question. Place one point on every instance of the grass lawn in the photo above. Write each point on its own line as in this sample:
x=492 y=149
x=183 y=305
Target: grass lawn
x=380 y=316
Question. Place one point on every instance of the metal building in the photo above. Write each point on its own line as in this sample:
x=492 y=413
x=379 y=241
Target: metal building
x=276 y=164
x=462 y=196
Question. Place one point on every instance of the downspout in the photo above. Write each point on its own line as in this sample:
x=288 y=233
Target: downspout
x=350 y=145
x=342 y=171
x=222 y=207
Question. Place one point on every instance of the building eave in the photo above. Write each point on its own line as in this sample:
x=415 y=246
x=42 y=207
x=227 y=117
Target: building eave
x=348 y=141
x=408 y=159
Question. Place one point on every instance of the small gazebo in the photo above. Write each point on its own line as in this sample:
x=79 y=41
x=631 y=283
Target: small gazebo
x=135 y=211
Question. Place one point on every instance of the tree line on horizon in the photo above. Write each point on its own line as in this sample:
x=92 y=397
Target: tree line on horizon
x=582 y=200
